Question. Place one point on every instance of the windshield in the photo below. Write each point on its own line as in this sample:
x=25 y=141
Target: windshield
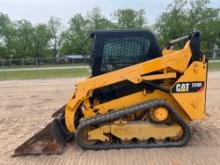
x=122 y=52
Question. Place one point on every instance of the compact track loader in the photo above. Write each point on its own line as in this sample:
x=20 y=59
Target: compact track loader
x=136 y=97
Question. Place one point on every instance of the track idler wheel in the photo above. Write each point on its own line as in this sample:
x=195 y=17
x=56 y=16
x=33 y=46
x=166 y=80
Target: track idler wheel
x=159 y=114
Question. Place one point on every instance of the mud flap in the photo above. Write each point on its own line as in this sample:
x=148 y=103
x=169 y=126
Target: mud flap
x=50 y=140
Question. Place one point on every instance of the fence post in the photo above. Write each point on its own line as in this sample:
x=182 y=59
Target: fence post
x=4 y=71
x=215 y=51
x=22 y=62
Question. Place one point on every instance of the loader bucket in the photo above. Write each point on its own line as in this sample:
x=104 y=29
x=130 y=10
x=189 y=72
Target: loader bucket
x=50 y=140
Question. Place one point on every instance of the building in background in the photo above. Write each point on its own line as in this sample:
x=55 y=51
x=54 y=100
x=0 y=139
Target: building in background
x=76 y=58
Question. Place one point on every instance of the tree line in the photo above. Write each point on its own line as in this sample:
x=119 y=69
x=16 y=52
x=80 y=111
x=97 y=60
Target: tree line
x=22 y=39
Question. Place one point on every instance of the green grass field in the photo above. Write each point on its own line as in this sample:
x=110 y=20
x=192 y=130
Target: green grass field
x=214 y=66
x=61 y=73
x=43 y=74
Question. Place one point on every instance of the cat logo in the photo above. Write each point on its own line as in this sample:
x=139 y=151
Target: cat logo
x=183 y=87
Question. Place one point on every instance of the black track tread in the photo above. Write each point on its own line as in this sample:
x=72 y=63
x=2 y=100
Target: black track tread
x=114 y=115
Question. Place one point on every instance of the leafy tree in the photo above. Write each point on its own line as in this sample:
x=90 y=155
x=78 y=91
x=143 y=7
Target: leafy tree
x=130 y=19
x=97 y=21
x=185 y=16
x=172 y=24
x=42 y=36
x=54 y=25
x=75 y=39
x=23 y=39
x=6 y=36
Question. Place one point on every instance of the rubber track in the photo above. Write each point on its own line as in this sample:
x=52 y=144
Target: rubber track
x=111 y=116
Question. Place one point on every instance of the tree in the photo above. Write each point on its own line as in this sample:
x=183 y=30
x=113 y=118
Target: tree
x=184 y=16
x=130 y=19
x=7 y=31
x=54 y=25
x=172 y=24
x=42 y=36
x=23 y=39
x=76 y=38
x=97 y=21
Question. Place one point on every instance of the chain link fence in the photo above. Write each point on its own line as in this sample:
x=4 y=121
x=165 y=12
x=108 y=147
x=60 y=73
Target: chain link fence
x=71 y=66
x=43 y=68
x=212 y=54
x=64 y=61
x=41 y=62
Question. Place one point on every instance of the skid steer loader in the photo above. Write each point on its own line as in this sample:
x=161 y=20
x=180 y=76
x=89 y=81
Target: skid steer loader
x=136 y=97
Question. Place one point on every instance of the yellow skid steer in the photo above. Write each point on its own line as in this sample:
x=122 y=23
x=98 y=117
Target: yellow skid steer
x=136 y=97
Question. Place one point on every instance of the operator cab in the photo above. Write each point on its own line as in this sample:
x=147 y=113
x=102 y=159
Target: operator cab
x=116 y=49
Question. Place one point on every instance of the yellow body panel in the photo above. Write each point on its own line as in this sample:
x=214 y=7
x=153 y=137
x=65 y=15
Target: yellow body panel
x=141 y=131
x=167 y=67
x=193 y=103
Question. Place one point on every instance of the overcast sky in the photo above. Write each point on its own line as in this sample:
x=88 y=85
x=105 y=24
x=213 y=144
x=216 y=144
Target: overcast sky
x=41 y=10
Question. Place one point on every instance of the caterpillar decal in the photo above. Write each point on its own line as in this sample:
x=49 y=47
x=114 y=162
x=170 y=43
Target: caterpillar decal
x=184 y=87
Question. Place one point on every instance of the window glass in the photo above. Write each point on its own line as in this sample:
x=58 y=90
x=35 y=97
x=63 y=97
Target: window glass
x=122 y=52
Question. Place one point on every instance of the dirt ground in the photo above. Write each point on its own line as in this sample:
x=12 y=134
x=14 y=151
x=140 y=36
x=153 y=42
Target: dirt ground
x=27 y=105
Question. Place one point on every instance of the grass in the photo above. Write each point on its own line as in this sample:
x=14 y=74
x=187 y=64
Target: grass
x=214 y=66
x=42 y=74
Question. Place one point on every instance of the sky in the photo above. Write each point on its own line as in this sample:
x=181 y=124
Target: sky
x=39 y=11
